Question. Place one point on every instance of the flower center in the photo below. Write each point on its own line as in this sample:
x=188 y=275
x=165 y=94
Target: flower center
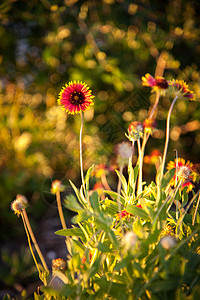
x=77 y=98
x=183 y=173
x=161 y=83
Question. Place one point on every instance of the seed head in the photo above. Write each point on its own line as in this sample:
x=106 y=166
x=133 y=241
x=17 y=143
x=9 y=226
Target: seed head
x=17 y=206
x=59 y=264
x=183 y=173
x=167 y=242
x=22 y=199
x=129 y=241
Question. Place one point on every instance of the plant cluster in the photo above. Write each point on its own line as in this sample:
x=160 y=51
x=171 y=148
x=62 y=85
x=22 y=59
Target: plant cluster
x=140 y=241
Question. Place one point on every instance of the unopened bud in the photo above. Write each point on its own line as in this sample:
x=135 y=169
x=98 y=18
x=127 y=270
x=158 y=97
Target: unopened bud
x=57 y=186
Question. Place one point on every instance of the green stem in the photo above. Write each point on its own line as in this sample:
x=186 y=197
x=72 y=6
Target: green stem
x=193 y=219
x=173 y=198
x=154 y=106
x=34 y=240
x=81 y=154
x=30 y=246
x=188 y=206
x=139 y=190
x=62 y=220
x=167 y=138
x=118 y=200
x=105 y=182
x=60 y=211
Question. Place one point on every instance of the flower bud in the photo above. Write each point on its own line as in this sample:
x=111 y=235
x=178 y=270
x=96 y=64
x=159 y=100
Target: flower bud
x=149 y=125
x=57 y=186
x=135 y=131
x=168 y=230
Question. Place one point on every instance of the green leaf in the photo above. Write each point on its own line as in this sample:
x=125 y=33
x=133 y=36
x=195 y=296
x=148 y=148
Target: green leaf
x=68 y=290
x=123 y=181
x=113 y=238
x=167 y=177
x=103 y=248
x=36 y=296
x=86 y=234
x=101 y=223
x=136 y=170
x=137 y=211
x=187 y=218
x=71 y=232
x=111 y=205
x=6 y=297
x=164 y=286
x=79 y=247
x=81 y=200
x=81 y=217
x=94 y=201
x=133 y=173
x=184 y=197
x=87 y=178
x=94 y=269
x=72 y=204
x=122 y=264
x=116 y=196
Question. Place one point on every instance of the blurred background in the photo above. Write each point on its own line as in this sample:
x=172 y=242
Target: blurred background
x=110 y=45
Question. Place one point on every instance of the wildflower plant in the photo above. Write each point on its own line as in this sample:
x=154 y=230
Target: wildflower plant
x=138 y=240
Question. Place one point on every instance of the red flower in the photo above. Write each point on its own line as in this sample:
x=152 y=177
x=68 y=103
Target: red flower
x=124 y=214
x=149 y=125
x=153 y=157
x=75 y=97
x=158 y=83
x=139 y=205
x=181 y=89
x=189 y=186
x=83 y=260
x=100 y=170
x=98 y=187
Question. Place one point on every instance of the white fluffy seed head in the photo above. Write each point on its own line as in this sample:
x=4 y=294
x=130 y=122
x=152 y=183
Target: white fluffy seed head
x=167 y=242
x=129 y=240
